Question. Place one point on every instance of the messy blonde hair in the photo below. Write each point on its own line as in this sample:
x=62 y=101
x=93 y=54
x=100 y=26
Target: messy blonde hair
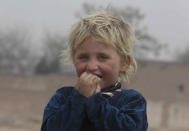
x=110 y=30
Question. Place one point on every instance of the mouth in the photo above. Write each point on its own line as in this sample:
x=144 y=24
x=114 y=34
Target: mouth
x=100 y=76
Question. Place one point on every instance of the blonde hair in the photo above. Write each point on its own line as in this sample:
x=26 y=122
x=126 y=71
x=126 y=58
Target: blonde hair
x=109 y=29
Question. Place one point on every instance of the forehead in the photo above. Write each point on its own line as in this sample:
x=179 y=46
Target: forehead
x=90 y=44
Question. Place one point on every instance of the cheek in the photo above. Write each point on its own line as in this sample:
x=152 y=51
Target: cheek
x=80 y=68
x=110 y=69
x=106 y=69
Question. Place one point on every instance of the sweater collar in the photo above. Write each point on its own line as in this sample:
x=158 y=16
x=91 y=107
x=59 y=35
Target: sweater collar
x=116 y=86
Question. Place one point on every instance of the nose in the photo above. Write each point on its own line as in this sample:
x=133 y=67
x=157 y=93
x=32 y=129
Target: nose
x=92 y=65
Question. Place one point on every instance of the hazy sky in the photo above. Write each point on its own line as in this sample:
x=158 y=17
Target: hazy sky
x=167 y=20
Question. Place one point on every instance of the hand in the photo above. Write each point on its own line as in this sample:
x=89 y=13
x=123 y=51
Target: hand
x=88 y=84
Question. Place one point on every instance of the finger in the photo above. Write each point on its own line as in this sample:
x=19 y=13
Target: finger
x=83 y=75
x=98 y=89
x=94 y=78
x=84 y=78
x=90 y=78
x=98 y=79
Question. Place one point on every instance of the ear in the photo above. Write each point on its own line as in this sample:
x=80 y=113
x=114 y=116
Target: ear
x=125 y=63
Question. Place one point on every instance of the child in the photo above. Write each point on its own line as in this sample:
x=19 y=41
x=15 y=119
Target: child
x=101 y=51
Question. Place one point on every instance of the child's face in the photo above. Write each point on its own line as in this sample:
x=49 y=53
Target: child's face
x=100 y=60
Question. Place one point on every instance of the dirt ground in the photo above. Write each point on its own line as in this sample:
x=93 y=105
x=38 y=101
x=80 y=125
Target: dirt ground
x=23 y=99
x=21 y=110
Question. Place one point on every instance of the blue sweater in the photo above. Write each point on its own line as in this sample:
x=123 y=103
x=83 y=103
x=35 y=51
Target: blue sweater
x=68 y=110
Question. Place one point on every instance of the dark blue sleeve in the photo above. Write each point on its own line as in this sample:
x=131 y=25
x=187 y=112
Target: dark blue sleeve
x=65 y=111
x=131 y=116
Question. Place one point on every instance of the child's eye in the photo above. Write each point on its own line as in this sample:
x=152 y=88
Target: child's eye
x=83 y=57
x=103 y=57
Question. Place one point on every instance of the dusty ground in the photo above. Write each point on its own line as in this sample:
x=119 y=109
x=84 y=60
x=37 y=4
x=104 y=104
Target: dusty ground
x=23 y=100
x=21 y=110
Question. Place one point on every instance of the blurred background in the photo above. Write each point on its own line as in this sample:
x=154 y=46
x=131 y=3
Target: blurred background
x=34 y=33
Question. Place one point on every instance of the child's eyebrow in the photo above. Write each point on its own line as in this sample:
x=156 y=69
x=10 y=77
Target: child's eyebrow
x=102 y=53
x=81 y=54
